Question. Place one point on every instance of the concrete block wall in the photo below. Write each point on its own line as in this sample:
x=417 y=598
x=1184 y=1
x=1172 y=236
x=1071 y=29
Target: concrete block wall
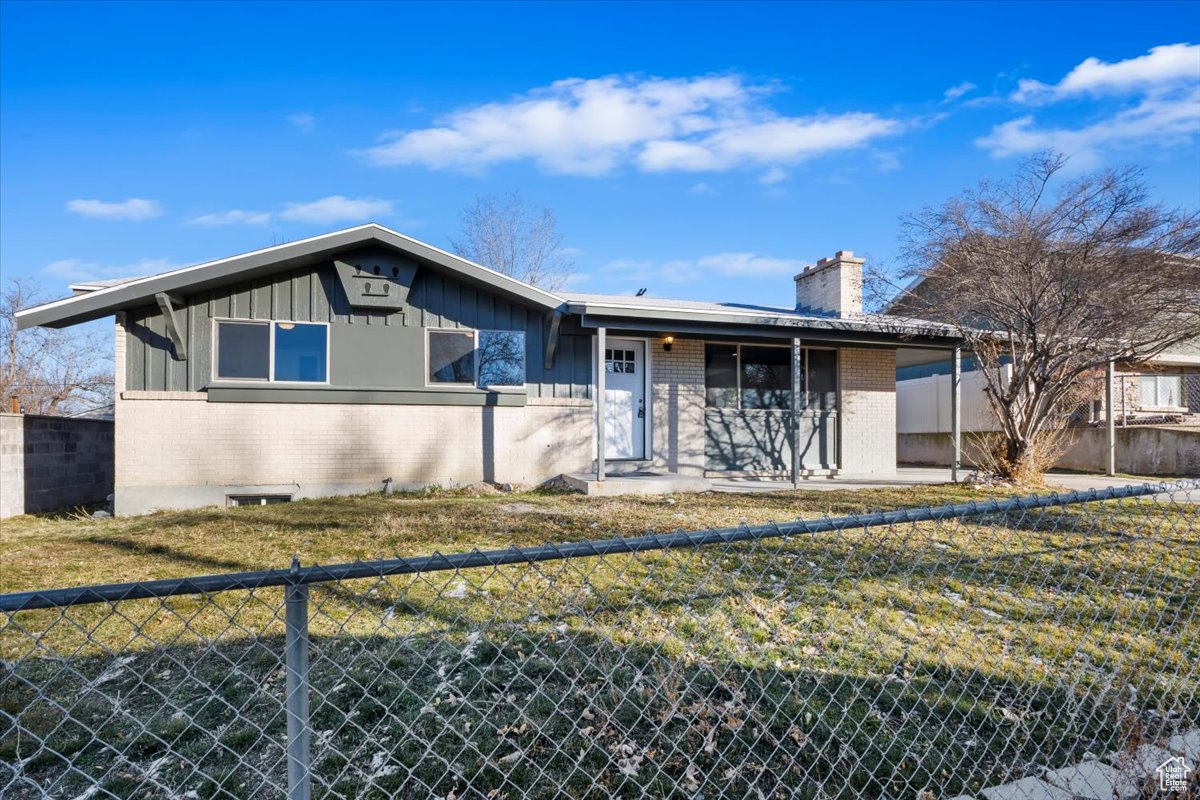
x=867 y=378
x=1157 y=450
x=677 y=406
x=176 y=450
x=51 y=463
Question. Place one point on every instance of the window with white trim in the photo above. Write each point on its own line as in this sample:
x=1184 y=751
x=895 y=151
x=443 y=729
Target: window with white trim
x=488 y=358
x=1160 y=391
x=263 y=350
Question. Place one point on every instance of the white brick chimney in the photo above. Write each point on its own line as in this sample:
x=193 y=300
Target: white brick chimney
x=833 y=286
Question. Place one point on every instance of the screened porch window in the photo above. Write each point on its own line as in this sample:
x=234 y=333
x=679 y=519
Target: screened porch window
x=760 y=377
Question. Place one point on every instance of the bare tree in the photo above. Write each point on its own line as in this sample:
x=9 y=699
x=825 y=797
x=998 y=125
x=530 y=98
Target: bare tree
x=1056 y=277
x=50 y=371
x=504 y=233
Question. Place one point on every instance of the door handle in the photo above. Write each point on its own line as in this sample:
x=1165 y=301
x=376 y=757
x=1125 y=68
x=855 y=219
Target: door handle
x=641 y=409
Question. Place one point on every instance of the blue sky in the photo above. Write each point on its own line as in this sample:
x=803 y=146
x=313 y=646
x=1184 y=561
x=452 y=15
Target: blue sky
x=700 y=150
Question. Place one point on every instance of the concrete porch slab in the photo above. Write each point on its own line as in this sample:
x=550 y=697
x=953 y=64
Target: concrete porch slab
x=640 y=484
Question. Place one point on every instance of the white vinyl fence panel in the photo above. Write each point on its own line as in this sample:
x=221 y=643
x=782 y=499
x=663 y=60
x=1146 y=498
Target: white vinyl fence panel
x=923 y=405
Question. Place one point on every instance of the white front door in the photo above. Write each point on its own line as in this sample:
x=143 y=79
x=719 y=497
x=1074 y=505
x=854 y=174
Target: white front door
x=624 y=399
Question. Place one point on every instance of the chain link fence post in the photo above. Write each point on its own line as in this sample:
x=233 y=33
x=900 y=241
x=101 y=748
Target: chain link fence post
x=296 y=663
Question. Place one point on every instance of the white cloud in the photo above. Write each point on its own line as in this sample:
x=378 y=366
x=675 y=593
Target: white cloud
x=234 y=216
x=591 y=127
x=135 y=209
x=1149 y=99
x=772 y=176
x=337 y=208
x=955 y=92
x=1154 y=119
x=303 y=122
x=1163 y=66
x=77 y=270
x=701 y=188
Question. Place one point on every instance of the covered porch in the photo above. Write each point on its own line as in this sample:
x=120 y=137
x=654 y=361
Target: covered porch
x=689 y=404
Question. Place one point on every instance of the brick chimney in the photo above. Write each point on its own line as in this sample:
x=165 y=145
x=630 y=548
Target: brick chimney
x=832 y=286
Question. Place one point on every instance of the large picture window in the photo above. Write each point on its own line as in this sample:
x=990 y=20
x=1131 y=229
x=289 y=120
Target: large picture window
x=476 y=358
x=760 y=377
x=252 y=350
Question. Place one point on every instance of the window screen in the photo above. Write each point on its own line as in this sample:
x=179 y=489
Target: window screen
x=243 y=350
x=452 y=357
x=300 y=352
x=720 y=375
x=822 y=380
x=501 y=358
x=766 y=377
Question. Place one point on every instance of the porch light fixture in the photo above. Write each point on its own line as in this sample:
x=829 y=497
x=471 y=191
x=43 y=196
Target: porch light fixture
x=667 y=342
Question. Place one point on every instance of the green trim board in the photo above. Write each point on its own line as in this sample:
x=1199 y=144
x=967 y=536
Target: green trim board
x=365 y=396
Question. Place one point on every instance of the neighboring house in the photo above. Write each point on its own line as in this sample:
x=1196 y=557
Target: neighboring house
x=1161 y=391
x=1164 y=388
x=339 y=363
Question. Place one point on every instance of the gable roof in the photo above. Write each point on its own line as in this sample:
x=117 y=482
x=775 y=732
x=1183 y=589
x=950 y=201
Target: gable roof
x=96 y=299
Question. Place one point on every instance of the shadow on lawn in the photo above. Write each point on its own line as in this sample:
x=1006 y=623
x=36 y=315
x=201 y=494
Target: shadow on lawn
x=856 y=664
x=530 y=715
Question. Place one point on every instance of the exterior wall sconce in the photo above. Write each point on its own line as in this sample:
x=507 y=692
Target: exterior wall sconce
x=667 y=342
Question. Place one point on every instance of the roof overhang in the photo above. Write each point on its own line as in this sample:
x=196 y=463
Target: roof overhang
x=107 y=300
x=873 y=330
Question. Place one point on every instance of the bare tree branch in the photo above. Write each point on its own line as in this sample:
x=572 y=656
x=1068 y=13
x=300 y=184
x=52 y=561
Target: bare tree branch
x=1056 y=278
x=503 y=233
x=50 y=371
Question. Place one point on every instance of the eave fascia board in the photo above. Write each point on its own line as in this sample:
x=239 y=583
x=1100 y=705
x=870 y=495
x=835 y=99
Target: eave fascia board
x=201 y=277
x=694 y=326
x=901 y=328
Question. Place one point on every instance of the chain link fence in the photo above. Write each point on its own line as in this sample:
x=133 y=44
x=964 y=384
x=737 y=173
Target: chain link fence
x=909 y=654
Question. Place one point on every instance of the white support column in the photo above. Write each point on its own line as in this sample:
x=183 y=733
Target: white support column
x=956 y=413
x=797 y=389
x=1110 y=406
x=600 y=380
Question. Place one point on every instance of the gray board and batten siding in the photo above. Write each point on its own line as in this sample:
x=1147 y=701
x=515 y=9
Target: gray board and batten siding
x=370 y=349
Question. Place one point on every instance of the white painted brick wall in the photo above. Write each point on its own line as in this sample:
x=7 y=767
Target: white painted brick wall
x=868 y=411
x=677 y=406
x=170 y=444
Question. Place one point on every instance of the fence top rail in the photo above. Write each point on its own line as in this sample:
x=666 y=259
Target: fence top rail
x=436 y=562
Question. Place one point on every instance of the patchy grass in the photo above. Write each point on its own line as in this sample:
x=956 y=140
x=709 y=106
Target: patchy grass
x=865 y=663
x=52 y=551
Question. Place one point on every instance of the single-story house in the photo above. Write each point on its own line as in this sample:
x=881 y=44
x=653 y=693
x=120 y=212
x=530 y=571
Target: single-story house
x=364 y=359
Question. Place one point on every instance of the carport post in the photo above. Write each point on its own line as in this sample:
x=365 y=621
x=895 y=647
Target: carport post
x=600 y=365
x=956 y=413
x=797 y=387
x=1110 y=425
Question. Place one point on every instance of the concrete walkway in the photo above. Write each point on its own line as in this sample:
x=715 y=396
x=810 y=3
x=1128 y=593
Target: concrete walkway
x=644 y=483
